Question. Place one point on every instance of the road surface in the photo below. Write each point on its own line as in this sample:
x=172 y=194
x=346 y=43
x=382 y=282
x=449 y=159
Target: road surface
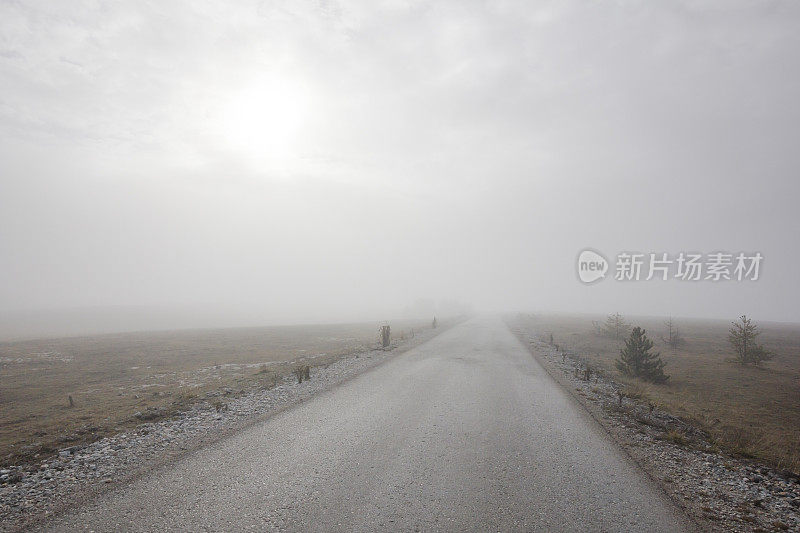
x=463 y=433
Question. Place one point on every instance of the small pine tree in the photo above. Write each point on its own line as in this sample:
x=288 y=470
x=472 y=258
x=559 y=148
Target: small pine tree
x=743 y=338
x=673 y=338
x=635 y=359
x=615 y=327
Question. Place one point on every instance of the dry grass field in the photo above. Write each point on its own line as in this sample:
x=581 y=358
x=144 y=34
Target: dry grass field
x=117 y=381
x=754 y=412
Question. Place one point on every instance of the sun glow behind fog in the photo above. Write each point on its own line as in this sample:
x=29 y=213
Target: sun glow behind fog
x=264 y=122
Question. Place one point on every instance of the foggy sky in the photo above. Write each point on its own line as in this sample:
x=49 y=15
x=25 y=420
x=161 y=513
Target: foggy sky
x=332 y=161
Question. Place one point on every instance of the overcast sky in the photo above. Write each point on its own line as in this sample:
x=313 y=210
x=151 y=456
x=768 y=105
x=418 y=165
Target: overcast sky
x=338 y=160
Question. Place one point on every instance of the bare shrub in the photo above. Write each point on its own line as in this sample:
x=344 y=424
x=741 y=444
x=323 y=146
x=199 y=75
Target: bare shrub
x=673 y=338
x=385 y=336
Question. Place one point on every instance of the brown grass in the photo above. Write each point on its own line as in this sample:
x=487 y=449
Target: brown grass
x=754 y=412
x=118 y=381
x=676 y=437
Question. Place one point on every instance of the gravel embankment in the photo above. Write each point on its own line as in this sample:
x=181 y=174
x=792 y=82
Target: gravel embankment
x=33 y=492
x=721 y=492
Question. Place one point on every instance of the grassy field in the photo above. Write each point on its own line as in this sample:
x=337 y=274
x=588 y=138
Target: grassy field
x=117 y=381
x=750 y=411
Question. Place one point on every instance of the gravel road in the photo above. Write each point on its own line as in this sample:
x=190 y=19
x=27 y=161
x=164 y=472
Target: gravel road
x=463 y=433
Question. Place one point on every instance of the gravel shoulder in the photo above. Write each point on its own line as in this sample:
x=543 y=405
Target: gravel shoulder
x=720 y=492
x=32 y=494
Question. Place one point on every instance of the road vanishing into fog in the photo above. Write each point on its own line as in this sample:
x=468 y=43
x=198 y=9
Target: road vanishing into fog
x=466 y=432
